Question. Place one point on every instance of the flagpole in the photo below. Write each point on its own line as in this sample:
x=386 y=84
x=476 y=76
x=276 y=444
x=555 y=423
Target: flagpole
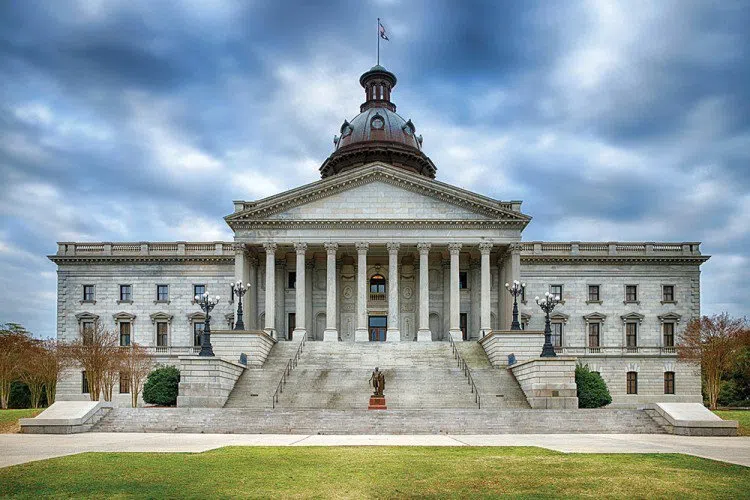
x=377 y=31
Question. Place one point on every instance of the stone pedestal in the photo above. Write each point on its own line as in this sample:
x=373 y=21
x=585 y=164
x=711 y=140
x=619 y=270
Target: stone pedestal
x=361 y=335
x=424 y=336
x=457 y=335
x=392 y=335
x=299 y=334
x=330 y=335
x=377 y=403
x=548 y=383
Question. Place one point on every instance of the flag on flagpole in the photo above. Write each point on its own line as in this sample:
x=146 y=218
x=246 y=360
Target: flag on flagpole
x=382 y=31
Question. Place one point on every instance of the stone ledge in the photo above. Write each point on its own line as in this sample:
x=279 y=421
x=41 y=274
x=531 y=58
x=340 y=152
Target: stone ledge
x=65 y=417
x=694 y=419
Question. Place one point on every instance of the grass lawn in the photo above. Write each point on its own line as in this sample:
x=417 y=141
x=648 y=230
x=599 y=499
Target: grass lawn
x=743 y=416
x=9 y=419
x=376 y=472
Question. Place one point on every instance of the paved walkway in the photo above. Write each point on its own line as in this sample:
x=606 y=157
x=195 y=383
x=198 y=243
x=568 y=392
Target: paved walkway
x=22 y=448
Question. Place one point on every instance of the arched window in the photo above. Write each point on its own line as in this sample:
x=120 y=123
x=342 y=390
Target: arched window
x=377 y=284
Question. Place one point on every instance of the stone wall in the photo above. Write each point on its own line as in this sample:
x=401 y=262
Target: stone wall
x=548 y=382
x=206 y=382
x=523 y=344
x=229 y=344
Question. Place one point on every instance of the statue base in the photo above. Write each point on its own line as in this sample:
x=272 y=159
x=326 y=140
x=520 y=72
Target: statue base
x=377 y=403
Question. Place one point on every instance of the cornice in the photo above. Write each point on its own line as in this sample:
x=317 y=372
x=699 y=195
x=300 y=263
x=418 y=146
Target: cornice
x=695 y=260
x=375 y=223
x=361 y=176
x=141 y=259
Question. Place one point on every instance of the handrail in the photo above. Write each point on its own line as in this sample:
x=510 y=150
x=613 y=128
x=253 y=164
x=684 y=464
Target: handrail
x=465 y=367
x=290 y=365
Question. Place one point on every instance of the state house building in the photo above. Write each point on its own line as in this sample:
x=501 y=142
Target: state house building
x=378 y=250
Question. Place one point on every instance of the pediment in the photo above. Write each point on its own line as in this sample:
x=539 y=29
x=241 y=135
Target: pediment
x=377 y=192
x=670 y=316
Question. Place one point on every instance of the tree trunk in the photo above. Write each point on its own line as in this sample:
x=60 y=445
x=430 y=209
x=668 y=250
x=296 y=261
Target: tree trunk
x=4 y=394
x=51 y=390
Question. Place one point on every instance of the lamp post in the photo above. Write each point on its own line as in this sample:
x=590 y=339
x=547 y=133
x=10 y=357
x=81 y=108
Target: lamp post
x=548 y=303
x=239 y=290
x=515 y=290
x=207 y=303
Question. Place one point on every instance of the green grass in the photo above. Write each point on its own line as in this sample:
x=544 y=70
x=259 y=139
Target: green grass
x=743 y=416
x=9 y=419
x=376 y=472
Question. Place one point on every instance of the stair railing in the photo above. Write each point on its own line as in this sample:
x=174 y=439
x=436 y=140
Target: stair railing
x=465 y=368
x=290 y=365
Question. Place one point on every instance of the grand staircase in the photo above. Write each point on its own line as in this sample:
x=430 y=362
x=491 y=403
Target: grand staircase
x=497 y=387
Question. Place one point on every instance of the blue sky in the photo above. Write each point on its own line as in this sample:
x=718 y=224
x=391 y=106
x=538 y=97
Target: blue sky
x=143 y=120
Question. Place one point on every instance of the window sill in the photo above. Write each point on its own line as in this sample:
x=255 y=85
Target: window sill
x=88 y=302
x=668 y=302
x=594 y=302
x=162 y=301
x=124 y=301
x=636 y=302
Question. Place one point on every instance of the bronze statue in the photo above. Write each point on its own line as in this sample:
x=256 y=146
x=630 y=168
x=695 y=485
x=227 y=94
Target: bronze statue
x=377 y=380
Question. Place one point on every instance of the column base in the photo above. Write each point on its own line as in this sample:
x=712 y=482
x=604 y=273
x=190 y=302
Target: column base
x=330 y=335
x=299 y=334
x=361 y=335
x=457 y=335
x=271 y=333
x=424 y=336
x=392 y=335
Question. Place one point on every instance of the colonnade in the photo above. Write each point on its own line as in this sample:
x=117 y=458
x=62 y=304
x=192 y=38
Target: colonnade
x=246 y=270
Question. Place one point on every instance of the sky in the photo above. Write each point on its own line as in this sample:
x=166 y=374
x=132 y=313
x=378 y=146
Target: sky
x=125 y=120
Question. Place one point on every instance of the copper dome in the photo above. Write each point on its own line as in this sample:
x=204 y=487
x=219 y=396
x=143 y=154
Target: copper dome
x=378 y=133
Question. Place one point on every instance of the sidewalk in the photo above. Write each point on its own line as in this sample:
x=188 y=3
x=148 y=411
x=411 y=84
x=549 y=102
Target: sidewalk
x=22 y=448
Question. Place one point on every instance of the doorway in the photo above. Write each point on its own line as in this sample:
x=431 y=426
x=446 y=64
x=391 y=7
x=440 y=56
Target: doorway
x=377 y=326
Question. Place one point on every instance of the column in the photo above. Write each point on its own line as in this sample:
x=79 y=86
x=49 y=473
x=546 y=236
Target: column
x=280 y=308
x=393 y=334
x=250 y=305
x=424 y=334
x=446 y=317
x=270 y=327
x=485 y=325
x=455 y=327
x=240 y=274
x=300 y=290
x=309 y=313
x=360 y=333
x=330 y=334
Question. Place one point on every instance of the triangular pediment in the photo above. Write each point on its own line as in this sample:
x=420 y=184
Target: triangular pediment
x=378 y=192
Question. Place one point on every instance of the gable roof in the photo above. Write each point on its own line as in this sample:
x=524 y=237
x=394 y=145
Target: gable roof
x=495 y=210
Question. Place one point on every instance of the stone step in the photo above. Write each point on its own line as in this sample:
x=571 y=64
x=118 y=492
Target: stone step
x=429 y=421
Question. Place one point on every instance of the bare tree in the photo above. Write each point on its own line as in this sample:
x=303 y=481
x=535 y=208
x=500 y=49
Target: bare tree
x=714 y=342
x=94 y=353
x=54 y=361
x=31 y=373
x=14 y=342
x=137 y=365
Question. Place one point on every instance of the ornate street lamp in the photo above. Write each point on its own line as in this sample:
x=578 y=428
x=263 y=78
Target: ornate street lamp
x=548 y=303
x=239 y=290
x=207 y=303
x=515 y=290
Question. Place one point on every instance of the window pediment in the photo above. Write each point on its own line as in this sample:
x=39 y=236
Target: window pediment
x=197 y=316
x=123 y=316
x=87 y=316
x=669 y=317
x=559 y=317
x=632 y=316
x=161 y=316
x=594 y=316
x=525 y=317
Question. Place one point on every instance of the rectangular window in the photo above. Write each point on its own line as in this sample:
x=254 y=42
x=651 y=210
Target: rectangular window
x=668 y=382
x=84 y=383
x=668 y=334
x=199 y=290
x=557 y=334
x=124 y=333
x=523 y=294
x=594 y=334
x=162 y=334
x=88 y=293
x=198 y=333
x=124 y=383
x=631 y=293
x=87 y=332
x=463 y=280
x=463 y=324
x=631 y=334
x=594 y=293
x=291 y=325
x=667 y=293
x=162 y=293
x=231 y=294
x=291 y=279
x=632 y=382
x=126 y=293
x=556 y=290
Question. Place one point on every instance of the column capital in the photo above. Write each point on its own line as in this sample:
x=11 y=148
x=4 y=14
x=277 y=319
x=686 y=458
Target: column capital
x=331 y=247
x=393 y=247
x=424 y=248
x=270 y=246
x=362 y=247
x=239 y=248
x=300 y=248
x=485 y=248
x=515 y=247
x=454 y=248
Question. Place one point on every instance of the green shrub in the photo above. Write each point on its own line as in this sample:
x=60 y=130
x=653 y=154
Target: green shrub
x=592 y=391
x=161 y=386
x=20 y=396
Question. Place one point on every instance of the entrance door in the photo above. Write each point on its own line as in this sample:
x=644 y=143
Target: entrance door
x=377 y=325
x=463 y=325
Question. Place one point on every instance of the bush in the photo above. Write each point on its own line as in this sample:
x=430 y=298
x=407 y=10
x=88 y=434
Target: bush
x=20 y=396
x=161 y=386
x=592 y=391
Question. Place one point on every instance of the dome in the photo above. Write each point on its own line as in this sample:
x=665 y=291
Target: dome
x=378 y=133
